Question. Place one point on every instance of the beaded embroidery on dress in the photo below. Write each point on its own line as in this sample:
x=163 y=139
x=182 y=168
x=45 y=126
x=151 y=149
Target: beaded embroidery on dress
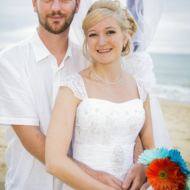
x=105 y=132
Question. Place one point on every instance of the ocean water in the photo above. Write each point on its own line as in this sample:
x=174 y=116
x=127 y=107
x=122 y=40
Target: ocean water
x=172 y=72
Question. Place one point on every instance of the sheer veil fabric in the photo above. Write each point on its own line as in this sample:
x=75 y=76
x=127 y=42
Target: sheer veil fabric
x=147 y=14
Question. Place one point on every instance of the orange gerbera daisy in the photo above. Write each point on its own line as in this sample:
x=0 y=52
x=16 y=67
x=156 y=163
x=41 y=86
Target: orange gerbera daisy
x=181 y=177
x=163 y=174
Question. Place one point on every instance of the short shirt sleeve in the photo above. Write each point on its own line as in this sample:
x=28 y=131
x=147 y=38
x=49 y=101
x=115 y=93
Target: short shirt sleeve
x=17 y=105
x=76 y=84
x=142 y=88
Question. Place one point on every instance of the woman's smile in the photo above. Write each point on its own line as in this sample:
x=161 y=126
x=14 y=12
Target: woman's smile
x=104 y=51
x=105 y=41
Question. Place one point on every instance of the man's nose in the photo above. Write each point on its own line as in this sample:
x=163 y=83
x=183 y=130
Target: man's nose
x=56 y=6
x=102 y=40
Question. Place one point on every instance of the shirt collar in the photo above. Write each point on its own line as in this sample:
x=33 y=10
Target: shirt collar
x=69 y=50
x=40 y=50
x=68 y=55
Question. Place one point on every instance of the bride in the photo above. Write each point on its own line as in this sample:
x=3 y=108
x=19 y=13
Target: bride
x=101 y=109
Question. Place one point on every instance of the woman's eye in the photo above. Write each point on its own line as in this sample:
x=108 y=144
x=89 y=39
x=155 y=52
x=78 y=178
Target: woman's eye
x=92 y=35
x=111 y=32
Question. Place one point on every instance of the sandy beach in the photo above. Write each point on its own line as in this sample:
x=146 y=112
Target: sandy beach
x=3 y=167
x=177 y=118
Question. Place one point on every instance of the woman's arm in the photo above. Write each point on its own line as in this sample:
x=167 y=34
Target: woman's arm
x=146 y=133
x=58 y=141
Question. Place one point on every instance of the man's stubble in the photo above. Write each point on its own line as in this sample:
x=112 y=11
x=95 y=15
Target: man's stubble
x=45 y=24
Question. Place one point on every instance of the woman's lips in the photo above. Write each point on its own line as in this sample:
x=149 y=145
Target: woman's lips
x=104 y=51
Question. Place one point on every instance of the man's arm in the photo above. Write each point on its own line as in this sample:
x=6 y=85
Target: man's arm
x=32 y=139
x=101 y=176
x=34 y=142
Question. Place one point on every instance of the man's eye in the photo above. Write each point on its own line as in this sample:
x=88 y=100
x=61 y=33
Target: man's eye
x=92 y=35
x=111 y=32
x=46 y=1
x=64 y=1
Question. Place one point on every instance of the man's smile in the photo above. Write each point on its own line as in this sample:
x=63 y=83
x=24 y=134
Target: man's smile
x=56 y=17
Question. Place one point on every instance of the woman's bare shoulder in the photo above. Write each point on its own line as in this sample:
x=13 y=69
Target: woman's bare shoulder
x=85 y=74
x=130 y=79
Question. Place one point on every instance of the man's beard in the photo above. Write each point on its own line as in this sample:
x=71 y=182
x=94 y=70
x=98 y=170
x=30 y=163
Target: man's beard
x=44 y=22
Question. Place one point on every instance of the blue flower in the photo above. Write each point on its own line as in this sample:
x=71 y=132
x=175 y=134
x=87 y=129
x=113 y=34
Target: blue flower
x=176 y=157
x=149 y=155
x=186 y=183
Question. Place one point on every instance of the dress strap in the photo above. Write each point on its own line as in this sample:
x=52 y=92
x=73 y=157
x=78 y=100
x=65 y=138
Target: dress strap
x=76 y=84
x=142 y=88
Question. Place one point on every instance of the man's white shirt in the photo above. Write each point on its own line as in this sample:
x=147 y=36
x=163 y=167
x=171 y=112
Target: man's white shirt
x=29 y=83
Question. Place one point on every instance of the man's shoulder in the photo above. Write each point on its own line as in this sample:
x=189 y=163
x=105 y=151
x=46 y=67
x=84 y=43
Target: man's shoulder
x=15 y=49
x=77 y=52
x=76 y=47
x=78 y=57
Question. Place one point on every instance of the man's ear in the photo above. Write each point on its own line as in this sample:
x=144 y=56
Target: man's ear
x=34 y=5
x=78 y=5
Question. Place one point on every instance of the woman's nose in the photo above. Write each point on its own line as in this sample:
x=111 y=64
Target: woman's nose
x=102 y=40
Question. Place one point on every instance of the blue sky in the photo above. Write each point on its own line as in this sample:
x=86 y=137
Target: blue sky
x=18 y=21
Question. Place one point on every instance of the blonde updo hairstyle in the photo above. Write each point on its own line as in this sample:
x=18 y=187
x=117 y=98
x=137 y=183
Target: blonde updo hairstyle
x=103 y=9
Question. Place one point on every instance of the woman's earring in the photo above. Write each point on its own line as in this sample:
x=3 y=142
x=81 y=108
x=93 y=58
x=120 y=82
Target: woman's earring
x=123 y=53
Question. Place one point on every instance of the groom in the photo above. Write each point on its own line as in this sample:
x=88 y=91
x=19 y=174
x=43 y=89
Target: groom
x=31 y=72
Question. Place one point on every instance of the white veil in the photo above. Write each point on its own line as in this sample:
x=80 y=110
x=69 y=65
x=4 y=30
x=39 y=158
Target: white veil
x=147 y=14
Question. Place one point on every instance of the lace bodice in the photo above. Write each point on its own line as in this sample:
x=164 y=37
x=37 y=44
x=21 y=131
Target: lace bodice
x=76 y=84
x=105 y=132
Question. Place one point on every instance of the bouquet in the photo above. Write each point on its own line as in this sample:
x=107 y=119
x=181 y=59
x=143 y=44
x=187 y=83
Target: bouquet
x=166 y=169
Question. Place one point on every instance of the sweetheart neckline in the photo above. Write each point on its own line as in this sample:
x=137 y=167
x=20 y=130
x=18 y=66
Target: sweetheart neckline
x=115 y=103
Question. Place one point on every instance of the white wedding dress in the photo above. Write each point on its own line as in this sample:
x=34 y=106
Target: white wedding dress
x=105 y=132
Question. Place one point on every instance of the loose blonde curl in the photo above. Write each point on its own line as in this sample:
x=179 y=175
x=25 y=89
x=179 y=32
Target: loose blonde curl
x=103 y=9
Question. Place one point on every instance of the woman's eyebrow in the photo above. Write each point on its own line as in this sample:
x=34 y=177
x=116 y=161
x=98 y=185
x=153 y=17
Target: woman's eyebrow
x=110 y=27
x=91 y=31
x=105 y=28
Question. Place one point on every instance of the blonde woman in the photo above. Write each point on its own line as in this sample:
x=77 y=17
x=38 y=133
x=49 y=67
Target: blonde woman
x=105 y=107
